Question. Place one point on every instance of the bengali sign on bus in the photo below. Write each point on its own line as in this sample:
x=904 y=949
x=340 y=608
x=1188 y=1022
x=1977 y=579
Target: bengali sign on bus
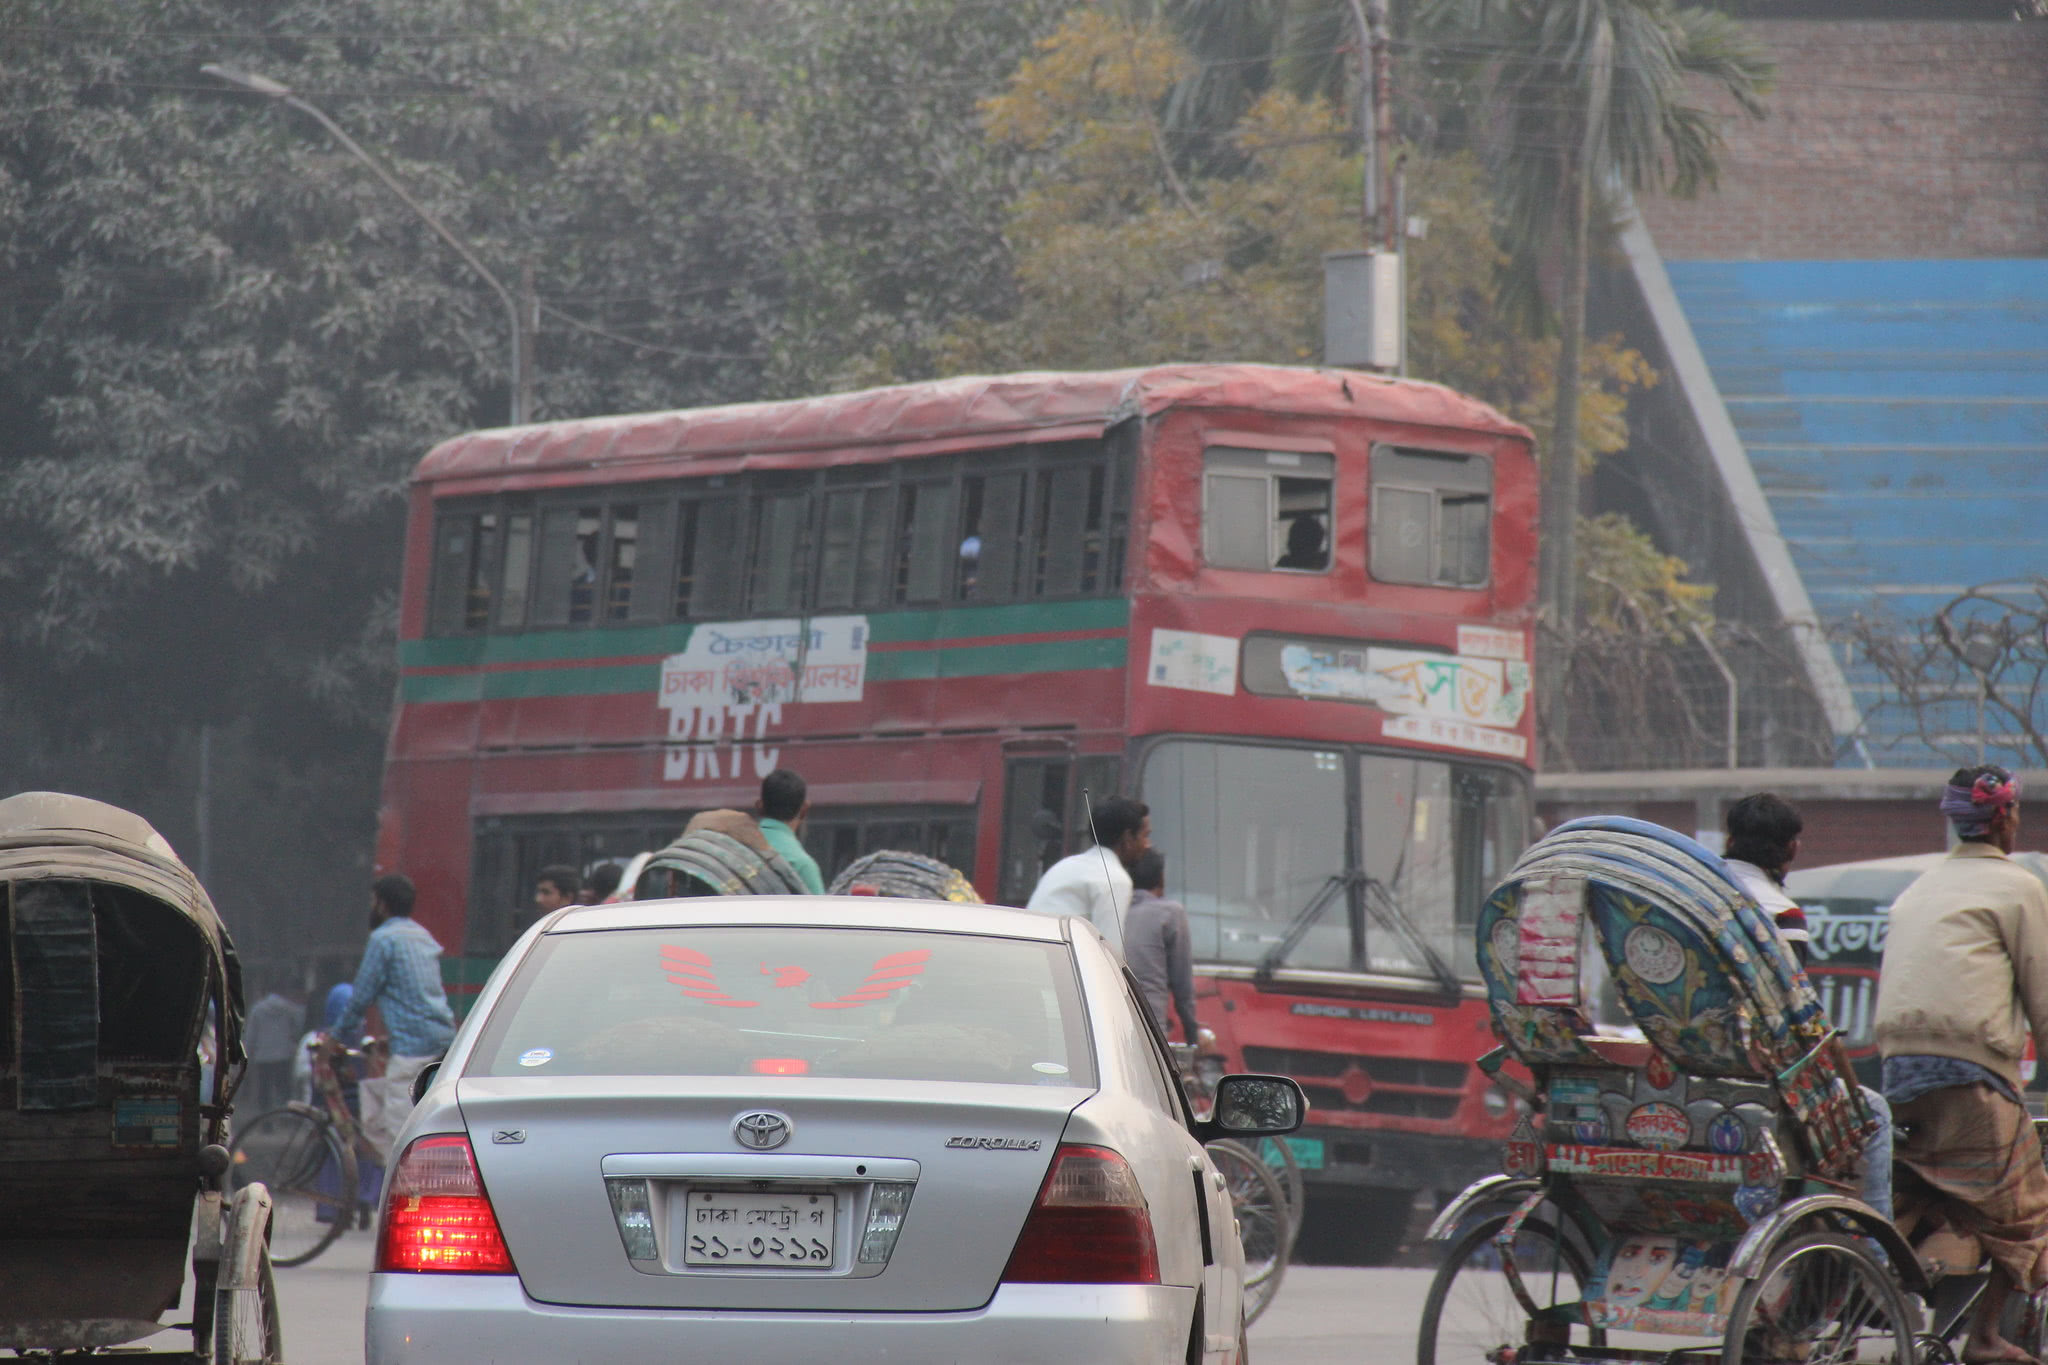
x=736 y=677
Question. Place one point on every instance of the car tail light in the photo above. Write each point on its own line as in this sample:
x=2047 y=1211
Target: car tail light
x=439 y=1217
x=1089 y=1226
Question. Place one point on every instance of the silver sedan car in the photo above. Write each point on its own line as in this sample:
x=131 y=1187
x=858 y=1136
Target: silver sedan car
x=812 y=1128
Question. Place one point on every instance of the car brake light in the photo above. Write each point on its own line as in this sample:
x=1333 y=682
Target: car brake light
x=439 y=1217
x=1089 y=1225
x=781 y=1066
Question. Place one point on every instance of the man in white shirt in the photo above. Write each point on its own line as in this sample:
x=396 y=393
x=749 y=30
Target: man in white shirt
x=1763 y=839
x=1096 y=882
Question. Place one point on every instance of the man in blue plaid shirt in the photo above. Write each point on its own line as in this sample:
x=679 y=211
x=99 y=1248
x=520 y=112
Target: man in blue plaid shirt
x=401 y=975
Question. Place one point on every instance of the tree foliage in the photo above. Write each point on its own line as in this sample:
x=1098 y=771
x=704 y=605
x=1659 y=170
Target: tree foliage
x=1124 y=257
x=224 y=344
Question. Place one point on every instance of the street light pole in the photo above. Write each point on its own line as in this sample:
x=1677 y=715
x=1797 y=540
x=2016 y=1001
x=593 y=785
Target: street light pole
x=522 y=350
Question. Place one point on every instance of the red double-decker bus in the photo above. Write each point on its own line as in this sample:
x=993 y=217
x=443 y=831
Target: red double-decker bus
x=1287 y=608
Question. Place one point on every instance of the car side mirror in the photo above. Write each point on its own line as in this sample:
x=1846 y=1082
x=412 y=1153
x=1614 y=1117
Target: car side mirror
x=1254 y=1106
x=423 y=1080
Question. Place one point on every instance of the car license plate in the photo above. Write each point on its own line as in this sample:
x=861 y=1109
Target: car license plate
x=788 y=1231
x=1308 y=1153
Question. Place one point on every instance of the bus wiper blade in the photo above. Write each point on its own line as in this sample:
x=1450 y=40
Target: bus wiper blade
x=1381 y=905
x=1304 y=920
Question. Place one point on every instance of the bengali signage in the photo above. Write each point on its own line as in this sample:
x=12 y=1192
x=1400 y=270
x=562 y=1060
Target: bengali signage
x=728 y=688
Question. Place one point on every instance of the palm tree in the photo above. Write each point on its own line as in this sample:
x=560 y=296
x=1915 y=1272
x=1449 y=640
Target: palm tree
x=1588 y=95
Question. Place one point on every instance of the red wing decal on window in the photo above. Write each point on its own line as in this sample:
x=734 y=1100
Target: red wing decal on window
x=691 y=971
x=685 y=960
x=890 y=973
x=785 y=976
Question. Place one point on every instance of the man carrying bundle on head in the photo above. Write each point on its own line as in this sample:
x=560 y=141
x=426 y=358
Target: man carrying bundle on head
x=1964 y=980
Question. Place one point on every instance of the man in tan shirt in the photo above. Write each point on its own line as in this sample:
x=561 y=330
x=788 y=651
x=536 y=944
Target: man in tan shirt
x=1964 y=980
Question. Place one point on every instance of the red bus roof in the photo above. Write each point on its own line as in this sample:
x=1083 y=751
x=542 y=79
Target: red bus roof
x=947 y=414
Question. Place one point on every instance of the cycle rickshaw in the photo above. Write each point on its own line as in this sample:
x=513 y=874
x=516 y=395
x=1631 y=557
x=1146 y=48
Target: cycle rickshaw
x=118 y=981
x=1691 y=1195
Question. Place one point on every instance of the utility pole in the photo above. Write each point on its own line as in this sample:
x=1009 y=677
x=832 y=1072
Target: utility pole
x=202 y=804
x=1364 y=305
x=1382 y=58
x=528 y=328
x=1369 y=86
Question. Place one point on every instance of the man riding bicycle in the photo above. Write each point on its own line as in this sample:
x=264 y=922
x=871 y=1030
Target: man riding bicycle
x=401 y=975
x=1965 y=977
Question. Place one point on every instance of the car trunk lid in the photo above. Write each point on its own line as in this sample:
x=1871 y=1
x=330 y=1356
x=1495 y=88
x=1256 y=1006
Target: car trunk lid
x=568 y=1161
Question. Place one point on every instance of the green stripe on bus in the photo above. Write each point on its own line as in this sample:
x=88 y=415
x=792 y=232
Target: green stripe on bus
x=952 y=661
x=1022 y=618
x=978 y=661
x=887 y=628
x=543 y=646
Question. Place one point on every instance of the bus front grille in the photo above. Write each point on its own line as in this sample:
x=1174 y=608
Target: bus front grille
x=1393 y=1087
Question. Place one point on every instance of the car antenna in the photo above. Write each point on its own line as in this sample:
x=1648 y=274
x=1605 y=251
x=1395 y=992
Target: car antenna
x=1088 y=805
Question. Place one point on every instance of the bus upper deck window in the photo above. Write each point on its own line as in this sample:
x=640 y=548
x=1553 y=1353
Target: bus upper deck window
x=466 y=552
x=1431 y=517
x=625 y=548
x=518 y=570
x=1266 y=509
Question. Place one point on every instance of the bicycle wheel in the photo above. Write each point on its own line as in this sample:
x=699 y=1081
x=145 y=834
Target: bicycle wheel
x=1471 y=1316
x=1262 y=1224
x=1824 y=1298
x=311 y=1177
x=1279 y=1155
x=245 y=1323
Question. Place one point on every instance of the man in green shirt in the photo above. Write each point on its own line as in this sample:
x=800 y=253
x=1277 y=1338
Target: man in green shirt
x=780 y=812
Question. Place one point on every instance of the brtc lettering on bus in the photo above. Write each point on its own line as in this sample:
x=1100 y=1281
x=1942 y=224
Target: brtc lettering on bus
x=737 y=677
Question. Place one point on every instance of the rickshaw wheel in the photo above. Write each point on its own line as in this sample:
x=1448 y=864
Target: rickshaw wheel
x=1278 y=1153
x=1260 y=1203
x=245 y=1323
x=311 y=1176
x=1472 y=1316
x=1823 y=1299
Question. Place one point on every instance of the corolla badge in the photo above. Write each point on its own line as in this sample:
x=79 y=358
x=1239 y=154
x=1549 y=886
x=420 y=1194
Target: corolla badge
x=761 y=1129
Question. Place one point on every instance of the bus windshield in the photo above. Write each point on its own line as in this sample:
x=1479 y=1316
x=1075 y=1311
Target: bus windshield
x=1369 y=862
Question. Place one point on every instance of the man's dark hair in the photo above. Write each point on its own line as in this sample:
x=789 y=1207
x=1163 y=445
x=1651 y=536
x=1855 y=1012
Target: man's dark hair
x=1149 y=872
x=1118 y=816
x=604 y=879
x=1761 y=828
x=562 y=877
x=782 y=795
x=394 y=892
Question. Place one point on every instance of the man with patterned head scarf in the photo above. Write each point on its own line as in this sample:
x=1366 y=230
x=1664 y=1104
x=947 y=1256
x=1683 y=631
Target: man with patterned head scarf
x=1964 y=981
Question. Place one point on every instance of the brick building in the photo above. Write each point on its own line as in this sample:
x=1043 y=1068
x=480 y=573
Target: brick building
x=1886 y=140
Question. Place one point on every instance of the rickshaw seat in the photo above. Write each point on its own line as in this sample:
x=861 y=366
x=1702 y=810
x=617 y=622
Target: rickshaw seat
x=1700 y=968
x=1949 y=1252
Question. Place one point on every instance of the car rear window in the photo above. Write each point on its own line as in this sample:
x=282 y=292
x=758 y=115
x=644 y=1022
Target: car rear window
x=864 y=1004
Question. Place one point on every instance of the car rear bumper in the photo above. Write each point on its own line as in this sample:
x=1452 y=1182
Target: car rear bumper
x=489 y=1320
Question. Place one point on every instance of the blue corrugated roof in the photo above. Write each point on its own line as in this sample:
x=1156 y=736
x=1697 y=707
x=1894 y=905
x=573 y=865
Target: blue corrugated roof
x=1896 y=415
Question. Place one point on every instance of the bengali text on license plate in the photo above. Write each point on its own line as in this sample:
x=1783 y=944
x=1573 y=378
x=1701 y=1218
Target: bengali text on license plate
x=734 y=1227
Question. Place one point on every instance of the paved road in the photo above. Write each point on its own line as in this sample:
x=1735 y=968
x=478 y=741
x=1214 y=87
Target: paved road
x=1325 y=1315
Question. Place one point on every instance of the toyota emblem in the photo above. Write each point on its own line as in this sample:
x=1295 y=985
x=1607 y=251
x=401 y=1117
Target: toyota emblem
x=761 y=1129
